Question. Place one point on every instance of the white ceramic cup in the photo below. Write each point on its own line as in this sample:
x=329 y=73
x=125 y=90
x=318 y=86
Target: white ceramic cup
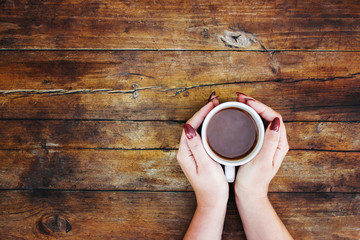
x=231 y=164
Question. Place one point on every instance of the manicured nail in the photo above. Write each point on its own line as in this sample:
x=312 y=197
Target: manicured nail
x=211 y=96
x=189 y=131
x=240 y=93
x=246 y=99
x=217 y=97
x=275 y=125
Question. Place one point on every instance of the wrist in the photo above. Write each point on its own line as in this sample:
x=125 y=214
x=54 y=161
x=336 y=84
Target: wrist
x=254 y=190
x=207 y=222
x=212 y=203
x=212 y=213
x=248 y=204
x=217 y=211
x=248 y=200
x=250 y=194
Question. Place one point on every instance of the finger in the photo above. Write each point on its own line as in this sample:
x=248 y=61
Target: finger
x=264 y=111
x=269 y=114
x=196 y=120
x=183 y=147
x=270 y=145
x=215 y=101
x=242 y=97
x=185 y=158
x=196 y=147
x=282 y=148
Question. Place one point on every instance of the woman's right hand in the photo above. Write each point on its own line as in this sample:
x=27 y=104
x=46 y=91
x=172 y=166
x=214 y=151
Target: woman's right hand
x=204 y=174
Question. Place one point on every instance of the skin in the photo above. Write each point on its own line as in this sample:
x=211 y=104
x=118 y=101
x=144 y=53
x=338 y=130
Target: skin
x=259 y=218
x=207 y=178
x=208 y=181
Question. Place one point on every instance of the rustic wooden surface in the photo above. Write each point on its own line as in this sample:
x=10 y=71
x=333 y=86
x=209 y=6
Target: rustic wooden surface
x=162 y=215
x=108 y=88
x=142 y=24
x=157 y=170
x=94 y=94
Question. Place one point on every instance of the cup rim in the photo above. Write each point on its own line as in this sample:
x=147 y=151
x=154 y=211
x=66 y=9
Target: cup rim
x=259 y=124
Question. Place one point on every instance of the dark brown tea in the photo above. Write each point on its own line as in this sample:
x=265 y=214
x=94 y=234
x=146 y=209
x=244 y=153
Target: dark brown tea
x=232 y=133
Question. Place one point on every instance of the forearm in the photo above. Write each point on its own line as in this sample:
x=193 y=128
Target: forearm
x=260 y=220
x=207 y=223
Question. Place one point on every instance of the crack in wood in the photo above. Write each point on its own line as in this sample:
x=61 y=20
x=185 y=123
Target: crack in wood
x=177 y=90
x=134 y=74
x=76 y=91
x=51 y=149
x=289 y=80
x=279 y=80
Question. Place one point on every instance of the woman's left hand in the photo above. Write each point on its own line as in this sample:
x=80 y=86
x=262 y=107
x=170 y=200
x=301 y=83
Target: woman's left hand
x=204 y=174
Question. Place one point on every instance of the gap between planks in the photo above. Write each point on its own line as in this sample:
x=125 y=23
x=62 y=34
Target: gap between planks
x=150 y=120
x=175 y=50
x=164 y=149
x=158 y=191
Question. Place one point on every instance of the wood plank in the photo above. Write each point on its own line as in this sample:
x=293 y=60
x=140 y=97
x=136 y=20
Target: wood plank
x=158 y=215
x=66 y=71
x=180 y=77
x=330 y=100
x=313 y=171
x=315 y=25
x=40 y=134
x=28 y=134
x=302 y=171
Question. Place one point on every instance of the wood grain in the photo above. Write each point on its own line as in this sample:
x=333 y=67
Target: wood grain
x=94 y=95
x=69 y=71
x=48 y=134
x=301 y=171
x=151 y=85
x=158 y=215
x=314 y=25
x=332 y=100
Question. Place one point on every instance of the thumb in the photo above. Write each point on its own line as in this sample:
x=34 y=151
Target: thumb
x=195 y=145
x=271 y=142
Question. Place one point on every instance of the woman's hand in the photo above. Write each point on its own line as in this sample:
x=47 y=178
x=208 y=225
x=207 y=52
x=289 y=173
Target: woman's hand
x=206 y=177
x=254 y=177
x=259 y=218
x=204 y=174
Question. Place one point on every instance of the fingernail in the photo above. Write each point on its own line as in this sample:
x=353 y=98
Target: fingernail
x=189 y=131
x=240 y=93
x=275 y=125
x=211 y=96
x=246 y=99
x=217 y=97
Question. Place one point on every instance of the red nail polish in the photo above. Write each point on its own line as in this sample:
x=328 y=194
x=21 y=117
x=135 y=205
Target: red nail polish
x=275 y=125
x=240 y=93
x=217 y=97
x=211 y=96
x=248 y=99
x=189 y=131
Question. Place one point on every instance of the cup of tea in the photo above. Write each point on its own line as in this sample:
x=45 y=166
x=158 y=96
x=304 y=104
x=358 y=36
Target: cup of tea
x=232 y=135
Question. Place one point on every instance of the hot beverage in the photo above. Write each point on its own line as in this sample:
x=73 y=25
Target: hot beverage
x=232 y=133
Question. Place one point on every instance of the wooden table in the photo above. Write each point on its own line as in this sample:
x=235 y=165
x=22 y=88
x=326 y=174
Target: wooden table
x=94 y=94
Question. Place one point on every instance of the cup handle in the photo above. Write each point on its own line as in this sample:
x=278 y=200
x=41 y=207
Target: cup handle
x=230 y=173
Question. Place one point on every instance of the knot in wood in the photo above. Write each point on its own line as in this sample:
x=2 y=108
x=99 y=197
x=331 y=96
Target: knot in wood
x=135 y=94
x=238 y=39
x=54 y=225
